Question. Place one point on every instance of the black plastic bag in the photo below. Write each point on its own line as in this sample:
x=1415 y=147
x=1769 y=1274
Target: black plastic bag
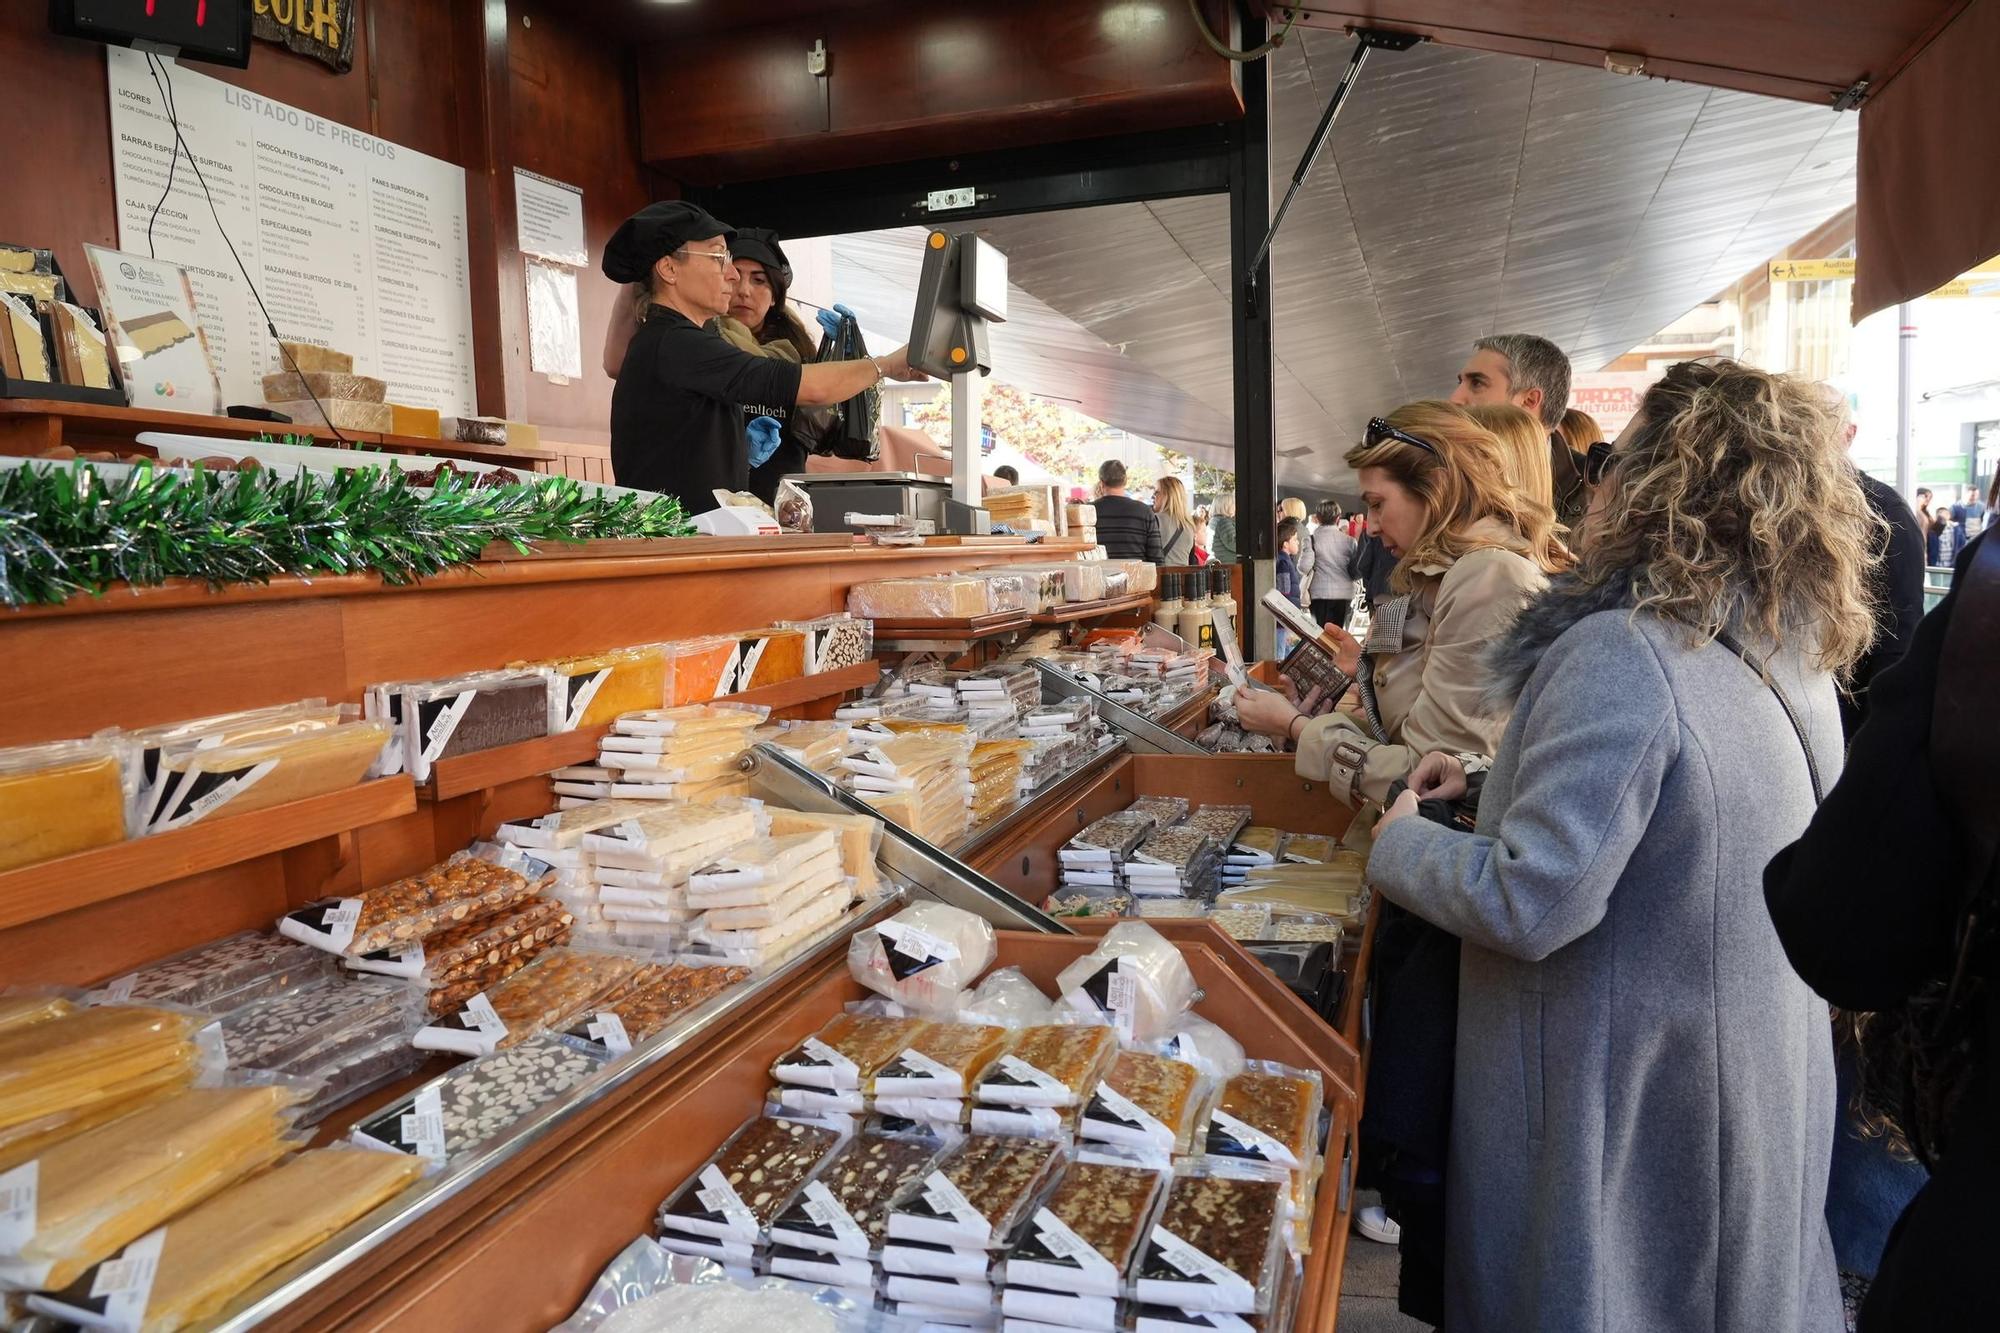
x=852 y=432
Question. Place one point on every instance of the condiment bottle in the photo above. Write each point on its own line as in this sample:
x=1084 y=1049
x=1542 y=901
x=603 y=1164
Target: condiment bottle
x=1168 y=608
x=1194 y=625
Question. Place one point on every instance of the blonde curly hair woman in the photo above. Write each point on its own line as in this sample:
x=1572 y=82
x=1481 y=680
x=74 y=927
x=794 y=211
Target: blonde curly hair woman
x=1643 y=1106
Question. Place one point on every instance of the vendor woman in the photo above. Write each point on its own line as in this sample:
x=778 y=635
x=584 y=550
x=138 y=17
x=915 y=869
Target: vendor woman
x=677 y=424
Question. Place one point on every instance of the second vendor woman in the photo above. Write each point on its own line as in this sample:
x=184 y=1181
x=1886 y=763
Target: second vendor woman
x=677 y=426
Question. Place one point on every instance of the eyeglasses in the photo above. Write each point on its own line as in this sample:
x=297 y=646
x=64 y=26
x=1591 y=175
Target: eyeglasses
x=1380 y=431
x=722 y=258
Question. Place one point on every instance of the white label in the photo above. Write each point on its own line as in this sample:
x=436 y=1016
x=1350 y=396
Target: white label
x=479 y=1012
x=919 y=1063
x=1023 y=1072
x=444 y=724
x=1256 y=1140
x=422 y=1126
x=1121 y=992
x=746 y=670
x=19 y=1190
x=610 y=1029
x=1058 y=1239
x=914 y=942
x=718 y=1196
x=119 y=991
x=125 y=1284
x=1196 y=1264
x=946 y=1198
x=943 y=201
x=228 y=791
x=579 y=702
x=1132 y=1113
x=339 y=923
x=823 y=1208
x=208 y=1041
x=826 y=1055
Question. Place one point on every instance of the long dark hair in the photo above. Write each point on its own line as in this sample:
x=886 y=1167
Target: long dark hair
x=780 y=324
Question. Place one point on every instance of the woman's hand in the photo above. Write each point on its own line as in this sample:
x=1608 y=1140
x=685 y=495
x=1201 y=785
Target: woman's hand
x=897 y=366
x=1438 y=777
x=1266 y=712
x=1403 y=807
x=1290 y=689
x=1346 y=650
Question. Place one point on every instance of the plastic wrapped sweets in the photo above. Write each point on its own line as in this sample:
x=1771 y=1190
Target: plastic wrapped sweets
x=942 y=1060
x=466 y=714
x=150 y=744
x=650 y=998
x=221 y=976
x=455 y=1114
x=592 y=690
x=53 y=1073
x=844 y=1209
x=674 y=840
x=1048 y=1067
x=208 y=1254
x=1147 y=1102
x=650 y=1289
x=565 y=828
x=299 y=1031
x=466 y=886
x=548 y=993
x=107 y=1186
x=1081 y=1241
x=1218 y=1242
x=451 y=954
x=1269 y=1113
x=860 y=838
x=59 y=799
x=924 y=957
x=1135 y=979
x=201 y=781
x=975 y=1196
x=750 y=1180
x=847 y=1050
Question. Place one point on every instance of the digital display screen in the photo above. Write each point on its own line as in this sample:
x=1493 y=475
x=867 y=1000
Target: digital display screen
x=212 y=30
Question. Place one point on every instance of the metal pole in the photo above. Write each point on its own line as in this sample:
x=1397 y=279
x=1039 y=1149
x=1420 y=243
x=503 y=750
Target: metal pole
x=1250 y=329
x=1906 y=391
x=1304 y=169
x=967 y=397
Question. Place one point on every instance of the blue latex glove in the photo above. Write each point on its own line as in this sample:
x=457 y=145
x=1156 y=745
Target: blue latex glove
x=764 y=433
x=830 y=319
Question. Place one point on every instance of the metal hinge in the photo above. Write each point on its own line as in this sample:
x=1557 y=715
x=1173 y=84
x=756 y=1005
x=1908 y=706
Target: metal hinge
x=1852 y=98
x=816 y=58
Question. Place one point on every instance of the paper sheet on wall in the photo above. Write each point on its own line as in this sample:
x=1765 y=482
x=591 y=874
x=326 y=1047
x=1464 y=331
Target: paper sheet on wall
x=549 y=219
x=555 y=330
x=356 y=243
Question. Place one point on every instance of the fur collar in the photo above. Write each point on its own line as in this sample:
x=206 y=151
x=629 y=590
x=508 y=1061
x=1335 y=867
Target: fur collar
x=1546 y=617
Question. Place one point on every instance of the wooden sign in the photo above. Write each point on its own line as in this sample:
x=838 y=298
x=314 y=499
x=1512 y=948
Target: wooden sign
x=322 y=29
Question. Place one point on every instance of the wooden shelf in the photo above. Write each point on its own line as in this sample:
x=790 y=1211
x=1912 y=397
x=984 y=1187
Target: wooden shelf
x=53 y=887
x=810 y=689
x=1071 y=612
x=903 y=635
x=464 y=774
x=29 y=425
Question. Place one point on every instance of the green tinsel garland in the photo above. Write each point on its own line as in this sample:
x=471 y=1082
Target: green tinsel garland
x=66 y=529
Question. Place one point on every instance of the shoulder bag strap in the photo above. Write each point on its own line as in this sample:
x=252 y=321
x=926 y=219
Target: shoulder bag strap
x=1963 y=715
x=1756 y=664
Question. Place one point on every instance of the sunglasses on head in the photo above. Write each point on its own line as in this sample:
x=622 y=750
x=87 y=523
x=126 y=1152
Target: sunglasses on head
x=1381 y=432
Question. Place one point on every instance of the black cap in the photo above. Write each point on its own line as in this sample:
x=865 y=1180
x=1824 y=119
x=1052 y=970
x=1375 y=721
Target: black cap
x=657 y=230
x=761 y=244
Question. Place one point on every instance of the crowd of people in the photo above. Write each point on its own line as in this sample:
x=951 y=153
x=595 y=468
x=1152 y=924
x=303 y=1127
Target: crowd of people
x=1603 y=703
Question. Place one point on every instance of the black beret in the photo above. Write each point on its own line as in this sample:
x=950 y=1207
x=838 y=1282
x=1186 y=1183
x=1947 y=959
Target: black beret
x=656 y=230
x=761 y=244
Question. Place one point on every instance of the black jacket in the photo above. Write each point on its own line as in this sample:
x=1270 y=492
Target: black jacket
x=1865 y=905
x=1898 y=594
x=1372 y=564
x=1128 y=530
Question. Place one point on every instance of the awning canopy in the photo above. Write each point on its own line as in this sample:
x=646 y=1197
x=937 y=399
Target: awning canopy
x=1928 y=195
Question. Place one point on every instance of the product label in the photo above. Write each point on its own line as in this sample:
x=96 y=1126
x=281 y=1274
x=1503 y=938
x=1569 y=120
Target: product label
x=479 y=1014
x=439 y=720
x=1231 y=1137
x=746 y=670
x=1108 y=1105
x=1059 y=1242
x=582 y=689
x=825 y=1210
x=1019 y=1072
x=208 y=1042
x=817 y=1052
x=340 y=920
x=19 y=1190
x=947 y=1200
x=910 y=949
x=422 y=1126
x=199 y=793
x=120 y=990
x=719 y=1197
x=609 y=1029
x=1202 y=1267
x=125 y=1284
x=916 y=1065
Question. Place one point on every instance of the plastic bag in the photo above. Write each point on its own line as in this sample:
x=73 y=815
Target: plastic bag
x=1218 y=1242
x=1008 y=999
x=751 y=1179
x=851 y=433
x=1135 y=979
x=1194 y=1040
x=1084 y=1237
x=794 y=507
x=976 y=1195
x=924 y=956
x=62 y=798
x=649 y=1289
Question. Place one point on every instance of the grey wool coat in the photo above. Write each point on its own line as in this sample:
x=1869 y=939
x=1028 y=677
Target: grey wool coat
x=1644 y=1102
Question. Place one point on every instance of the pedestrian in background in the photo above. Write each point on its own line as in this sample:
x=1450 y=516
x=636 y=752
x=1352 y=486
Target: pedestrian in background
x=1330 y=588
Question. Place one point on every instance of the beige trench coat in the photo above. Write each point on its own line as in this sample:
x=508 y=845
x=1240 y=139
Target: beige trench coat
x=1429 y=692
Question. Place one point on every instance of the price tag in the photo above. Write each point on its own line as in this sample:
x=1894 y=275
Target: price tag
x=609 y=1029
x=125 y=1283
x=339 y=922
x=1196 y=1264
x=438 y=734
x=1019 y=1071
x=1055 y=1236
x=582 y=689
x=479 y=1012
x=719 y=1197
x=920 y=1065
x=947 y=1200
x=917 y=943
x=120 y=990
x=823 y=1208
x=1249 y=1141
x=19 y=1191
x=1122 y=1111
x=422 y=1126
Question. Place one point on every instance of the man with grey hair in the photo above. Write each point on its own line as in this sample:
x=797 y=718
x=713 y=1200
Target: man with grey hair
x=1532 y=373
